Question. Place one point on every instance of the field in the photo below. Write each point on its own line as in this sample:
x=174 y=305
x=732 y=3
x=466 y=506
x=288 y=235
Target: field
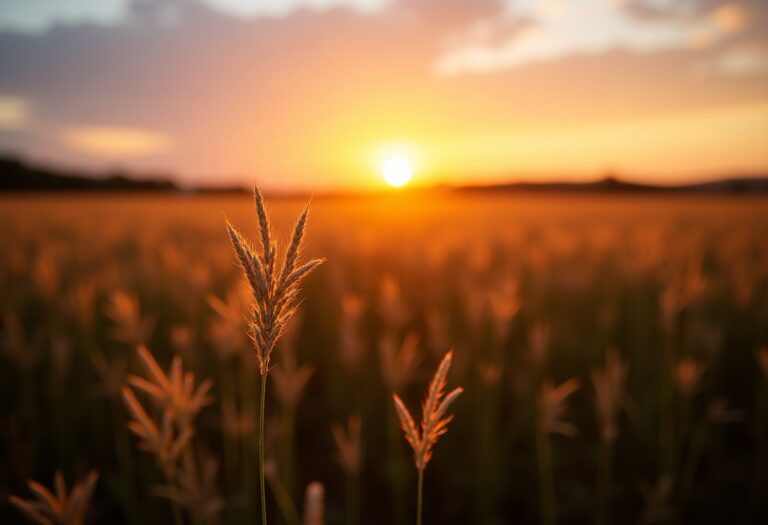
x=529 y=291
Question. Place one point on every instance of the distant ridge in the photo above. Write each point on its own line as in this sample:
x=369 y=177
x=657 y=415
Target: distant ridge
x=18 y=176
x=611 y=184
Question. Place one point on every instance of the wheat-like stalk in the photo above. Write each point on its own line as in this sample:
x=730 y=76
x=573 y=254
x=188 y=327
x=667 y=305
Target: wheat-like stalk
x=398 y=366
x=178 y=401
x=434 y=421
x=275 y=290
x=275 y=293
x=60 y=507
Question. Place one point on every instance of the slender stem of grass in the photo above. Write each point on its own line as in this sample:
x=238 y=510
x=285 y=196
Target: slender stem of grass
x=261 y=450
x=605 y=480
x=419 y=497
x=688 y=474
x=546 y=483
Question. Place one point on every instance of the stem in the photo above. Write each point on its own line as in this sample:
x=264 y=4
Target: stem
x=546 y=483
x=605 y=479
x=261 y=450
x=419 y=497
x=696 y=449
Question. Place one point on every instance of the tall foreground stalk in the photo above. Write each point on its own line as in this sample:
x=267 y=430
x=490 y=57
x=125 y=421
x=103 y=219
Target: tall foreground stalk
x=434 y=423
x=275 y=292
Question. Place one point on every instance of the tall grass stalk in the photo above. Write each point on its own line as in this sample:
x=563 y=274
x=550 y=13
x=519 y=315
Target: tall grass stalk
x=275 y=296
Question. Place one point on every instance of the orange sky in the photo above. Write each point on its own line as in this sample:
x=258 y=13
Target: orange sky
x=316 y=93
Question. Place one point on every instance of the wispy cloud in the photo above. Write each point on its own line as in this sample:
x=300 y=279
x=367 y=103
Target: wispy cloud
x=14 y=112
x=114 y=142
x=560 y=29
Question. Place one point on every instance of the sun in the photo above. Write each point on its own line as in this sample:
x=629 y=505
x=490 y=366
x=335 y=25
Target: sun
x=397 y=171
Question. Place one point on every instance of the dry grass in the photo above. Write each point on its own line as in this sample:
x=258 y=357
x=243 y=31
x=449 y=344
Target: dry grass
x=177 y=402
x=434 y=422
x=275 y=290
x=275 y=295
x=524 y=289
x=59 y=507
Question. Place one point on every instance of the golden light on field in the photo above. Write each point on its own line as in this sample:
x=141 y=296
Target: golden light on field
x=397 y=171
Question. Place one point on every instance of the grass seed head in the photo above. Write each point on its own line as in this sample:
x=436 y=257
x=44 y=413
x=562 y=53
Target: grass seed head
x=275 y=291
x=434 y=422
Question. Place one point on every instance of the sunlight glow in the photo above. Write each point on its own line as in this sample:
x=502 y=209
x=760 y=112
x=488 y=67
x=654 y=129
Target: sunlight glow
x=397 y=171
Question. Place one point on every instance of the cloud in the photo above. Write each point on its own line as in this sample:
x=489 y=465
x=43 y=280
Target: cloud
x=554 y=30
x=14 y=112
x=39 y=15
x=114 y=142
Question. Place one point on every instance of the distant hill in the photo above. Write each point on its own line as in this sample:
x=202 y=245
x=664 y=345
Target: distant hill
x=612 y=184
x=18 y=176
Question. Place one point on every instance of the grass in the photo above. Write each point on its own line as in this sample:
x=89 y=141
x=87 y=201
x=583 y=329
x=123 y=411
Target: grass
x=525 y=289
x=434 y=423
x=275 y=293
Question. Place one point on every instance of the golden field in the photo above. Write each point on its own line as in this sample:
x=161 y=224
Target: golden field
x=651 y=310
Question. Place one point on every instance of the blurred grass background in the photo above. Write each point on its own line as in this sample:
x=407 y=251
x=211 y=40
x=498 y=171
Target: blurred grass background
x=523 y=287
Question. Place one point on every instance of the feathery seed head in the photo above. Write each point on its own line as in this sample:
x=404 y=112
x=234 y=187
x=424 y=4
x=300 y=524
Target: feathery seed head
x=434 y=421
x=608 y=383
x=275 y=293
x=688 y=373
x=552 y=406
x=58 y=507
x=350 y=445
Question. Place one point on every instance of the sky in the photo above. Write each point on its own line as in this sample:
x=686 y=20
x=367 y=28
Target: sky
x=319 y=93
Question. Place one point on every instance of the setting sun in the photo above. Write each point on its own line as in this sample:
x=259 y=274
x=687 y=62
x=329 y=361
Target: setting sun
x=397 y=171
